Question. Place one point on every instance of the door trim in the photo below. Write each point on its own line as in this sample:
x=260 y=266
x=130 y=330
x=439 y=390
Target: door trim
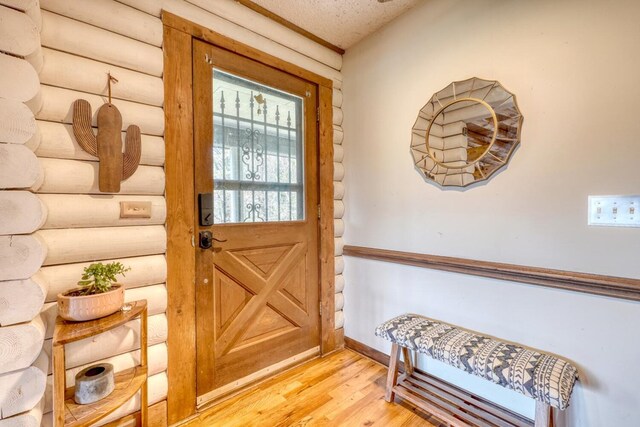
x=179 y=170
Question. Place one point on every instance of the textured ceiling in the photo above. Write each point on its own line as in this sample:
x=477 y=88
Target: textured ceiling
x=340 y=22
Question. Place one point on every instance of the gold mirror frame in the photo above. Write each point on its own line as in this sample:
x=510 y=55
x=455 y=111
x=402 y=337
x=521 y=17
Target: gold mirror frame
x=483 y=143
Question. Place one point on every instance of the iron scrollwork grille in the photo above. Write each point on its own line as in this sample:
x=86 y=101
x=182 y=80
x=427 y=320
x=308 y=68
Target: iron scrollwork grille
x=258 y=152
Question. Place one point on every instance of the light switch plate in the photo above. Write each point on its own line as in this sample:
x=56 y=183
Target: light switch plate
x=614 y=211
x=135 y=209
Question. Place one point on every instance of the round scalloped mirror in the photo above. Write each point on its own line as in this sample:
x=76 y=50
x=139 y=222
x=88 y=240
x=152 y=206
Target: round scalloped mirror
x=466 y=132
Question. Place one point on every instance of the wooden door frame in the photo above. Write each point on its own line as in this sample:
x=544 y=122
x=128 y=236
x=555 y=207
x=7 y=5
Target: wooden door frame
x=179 y=170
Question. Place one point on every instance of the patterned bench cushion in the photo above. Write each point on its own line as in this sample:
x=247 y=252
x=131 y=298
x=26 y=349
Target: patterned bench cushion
x=541 y=376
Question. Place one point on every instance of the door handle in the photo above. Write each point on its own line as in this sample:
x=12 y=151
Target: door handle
x=206 y=239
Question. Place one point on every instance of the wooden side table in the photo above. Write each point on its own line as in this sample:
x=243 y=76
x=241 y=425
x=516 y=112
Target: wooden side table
x=68 y=413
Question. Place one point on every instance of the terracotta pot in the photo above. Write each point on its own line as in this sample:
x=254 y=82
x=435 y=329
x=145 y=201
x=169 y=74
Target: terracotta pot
x=90 y=307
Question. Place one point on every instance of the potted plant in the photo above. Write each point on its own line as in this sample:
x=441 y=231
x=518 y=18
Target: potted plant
x=99 y=294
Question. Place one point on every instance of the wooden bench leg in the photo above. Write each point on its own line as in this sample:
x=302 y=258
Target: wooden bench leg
x=408 y=362
x=392 y=375
x=544 y=415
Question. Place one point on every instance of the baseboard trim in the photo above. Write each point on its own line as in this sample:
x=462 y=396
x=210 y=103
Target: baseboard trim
x=369 y=352
x=339 y=338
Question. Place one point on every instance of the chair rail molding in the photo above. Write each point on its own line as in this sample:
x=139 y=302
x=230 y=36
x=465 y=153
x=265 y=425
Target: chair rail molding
x=610 y=286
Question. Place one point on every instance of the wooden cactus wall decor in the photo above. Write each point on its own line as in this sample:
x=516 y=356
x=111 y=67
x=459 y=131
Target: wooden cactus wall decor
x=115 y=166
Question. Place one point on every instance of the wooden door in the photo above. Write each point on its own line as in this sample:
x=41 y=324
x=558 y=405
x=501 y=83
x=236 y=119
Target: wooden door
x=256 y=152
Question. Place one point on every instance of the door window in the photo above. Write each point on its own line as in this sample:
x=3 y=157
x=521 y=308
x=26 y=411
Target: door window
x=258 y=152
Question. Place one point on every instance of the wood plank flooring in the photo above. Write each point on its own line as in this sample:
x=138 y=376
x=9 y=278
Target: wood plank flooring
x=343 y=389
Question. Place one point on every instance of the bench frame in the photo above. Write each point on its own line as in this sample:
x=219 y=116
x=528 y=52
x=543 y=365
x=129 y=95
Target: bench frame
x=448 y=403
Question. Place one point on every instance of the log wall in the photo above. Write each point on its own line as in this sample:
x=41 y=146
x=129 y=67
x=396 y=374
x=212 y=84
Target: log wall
x=23 y=363
x=53 y=219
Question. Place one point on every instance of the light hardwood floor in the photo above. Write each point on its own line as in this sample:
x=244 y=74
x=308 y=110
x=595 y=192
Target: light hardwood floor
x=343 y=389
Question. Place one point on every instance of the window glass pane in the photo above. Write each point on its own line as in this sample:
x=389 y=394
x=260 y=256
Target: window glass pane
x=258 y=154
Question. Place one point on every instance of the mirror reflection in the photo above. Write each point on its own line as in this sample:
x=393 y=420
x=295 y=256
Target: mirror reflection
x=466 y=132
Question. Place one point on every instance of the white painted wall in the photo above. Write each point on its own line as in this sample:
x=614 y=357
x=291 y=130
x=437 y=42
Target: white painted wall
x=574 y=67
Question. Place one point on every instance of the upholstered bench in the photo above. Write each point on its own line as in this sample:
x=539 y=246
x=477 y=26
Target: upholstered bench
x=546 y=378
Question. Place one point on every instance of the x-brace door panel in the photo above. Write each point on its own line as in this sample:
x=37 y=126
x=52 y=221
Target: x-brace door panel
x=256 y=181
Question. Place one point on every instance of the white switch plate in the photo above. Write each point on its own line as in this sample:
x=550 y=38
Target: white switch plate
x=614 y=211
x=135 y=209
